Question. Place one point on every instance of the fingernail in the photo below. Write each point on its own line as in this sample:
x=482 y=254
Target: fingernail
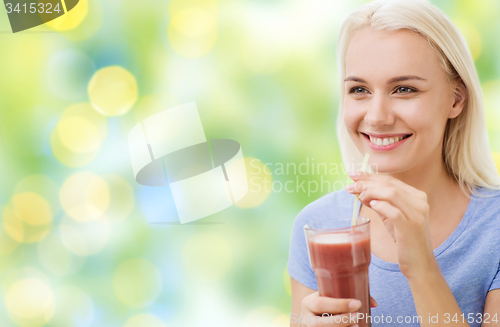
x=353 y=174
x=373 y=203
x=354 y=304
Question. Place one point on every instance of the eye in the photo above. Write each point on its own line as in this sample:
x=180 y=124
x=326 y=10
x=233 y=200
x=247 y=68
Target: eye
x=357 y=90
x=405 y=90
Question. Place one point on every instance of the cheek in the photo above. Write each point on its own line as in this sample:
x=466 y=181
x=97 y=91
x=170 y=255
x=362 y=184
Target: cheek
x=425 y=119
x=352 y=116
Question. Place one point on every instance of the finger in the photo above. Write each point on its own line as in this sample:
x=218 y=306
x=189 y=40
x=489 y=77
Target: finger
x=322 y=304
x=356 y=187
x=389 y=179
x=389 y=214
x=373 y=303
x=399 y=198
x=408 y=205
x=386 y=190
x=386 y=179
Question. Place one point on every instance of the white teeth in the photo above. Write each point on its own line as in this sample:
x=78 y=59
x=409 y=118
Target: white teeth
x=385 y=141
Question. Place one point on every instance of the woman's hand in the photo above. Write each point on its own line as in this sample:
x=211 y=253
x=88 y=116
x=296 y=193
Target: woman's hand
x=405 y=213
x=327 y=311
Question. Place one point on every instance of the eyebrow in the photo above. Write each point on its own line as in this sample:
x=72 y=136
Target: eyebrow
x=392 y=80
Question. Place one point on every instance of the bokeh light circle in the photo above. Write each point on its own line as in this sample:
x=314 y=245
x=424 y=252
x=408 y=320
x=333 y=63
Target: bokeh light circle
x=137 y=283
x=286 y=282
x=259 y=179
x=192 y=31
x=30 y=302
x=207 y=256
x=74 y=308
x=496 y=158
x=491 y=100
x=32 y=208
x=281 y=321
x=113 y=91
x=28 y=218
x=72 y=19
x=88 y=25
x=78 y=135
x=7 y=243
x=56 y=258
x=471 y=35
x=121 y=198
x=263 y=317
x=174 y=6
x=85 y=196
x=85 y=238
x=193 y=22
x=41 y=184
x=143 y=320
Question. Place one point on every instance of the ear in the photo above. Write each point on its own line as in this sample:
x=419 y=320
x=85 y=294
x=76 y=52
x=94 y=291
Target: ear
x=460 y=97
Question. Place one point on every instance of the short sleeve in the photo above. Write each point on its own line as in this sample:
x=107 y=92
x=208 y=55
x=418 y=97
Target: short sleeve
x=299 y=267
x=496 y=281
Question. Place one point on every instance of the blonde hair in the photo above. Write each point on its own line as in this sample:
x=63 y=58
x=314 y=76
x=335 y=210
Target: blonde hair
x=466 y=150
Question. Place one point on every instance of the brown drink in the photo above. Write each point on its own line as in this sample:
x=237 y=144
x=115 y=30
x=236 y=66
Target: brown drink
x=340 y=256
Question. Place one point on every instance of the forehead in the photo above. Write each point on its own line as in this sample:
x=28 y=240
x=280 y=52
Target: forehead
x=389 y=54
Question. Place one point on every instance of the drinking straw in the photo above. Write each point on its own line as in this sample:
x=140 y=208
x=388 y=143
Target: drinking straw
x=356 y=196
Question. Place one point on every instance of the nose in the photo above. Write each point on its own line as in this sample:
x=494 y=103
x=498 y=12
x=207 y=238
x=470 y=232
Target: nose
x=379 y=112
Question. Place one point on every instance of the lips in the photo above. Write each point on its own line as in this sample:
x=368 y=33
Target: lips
x=386 y=141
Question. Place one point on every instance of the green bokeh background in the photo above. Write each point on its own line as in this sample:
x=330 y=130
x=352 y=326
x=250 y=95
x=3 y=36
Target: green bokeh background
x=269 y=81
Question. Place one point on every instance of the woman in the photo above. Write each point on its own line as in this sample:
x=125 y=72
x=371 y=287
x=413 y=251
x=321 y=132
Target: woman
x=411 y=98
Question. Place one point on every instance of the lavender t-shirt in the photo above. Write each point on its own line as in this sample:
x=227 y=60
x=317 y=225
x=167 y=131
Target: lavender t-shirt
x=469 y=260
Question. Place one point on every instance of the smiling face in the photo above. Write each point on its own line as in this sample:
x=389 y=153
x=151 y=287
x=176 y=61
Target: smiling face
x=397 y=99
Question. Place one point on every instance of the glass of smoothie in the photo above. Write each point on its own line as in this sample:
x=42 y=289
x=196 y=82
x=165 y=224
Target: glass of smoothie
x=340 y=254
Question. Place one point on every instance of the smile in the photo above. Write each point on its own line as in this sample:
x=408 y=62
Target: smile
x=385 y=142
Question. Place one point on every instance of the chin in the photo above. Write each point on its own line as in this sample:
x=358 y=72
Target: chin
x=387 y=166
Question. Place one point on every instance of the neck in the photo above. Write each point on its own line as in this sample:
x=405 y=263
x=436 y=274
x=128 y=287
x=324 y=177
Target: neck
x=434 y=180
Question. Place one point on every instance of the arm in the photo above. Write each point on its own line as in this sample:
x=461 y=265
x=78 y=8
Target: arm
x=299 y=292
x=433 y=296
x=405 y=213
x=492 y=309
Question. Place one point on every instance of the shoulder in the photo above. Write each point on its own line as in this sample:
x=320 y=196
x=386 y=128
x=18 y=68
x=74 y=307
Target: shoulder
x=486 y=208
x=332 y=205
x=487 y=200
